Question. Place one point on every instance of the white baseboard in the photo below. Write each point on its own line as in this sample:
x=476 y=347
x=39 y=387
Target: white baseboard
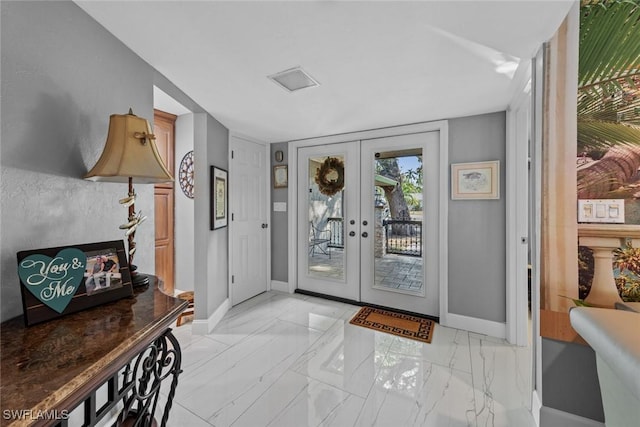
x=277 y=285
x=550 y=417
x=203 y=327
x=536 y=406
x=473 y=324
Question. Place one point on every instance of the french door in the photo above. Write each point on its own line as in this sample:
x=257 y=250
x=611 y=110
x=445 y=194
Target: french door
x=328 y=225
x=376 y=240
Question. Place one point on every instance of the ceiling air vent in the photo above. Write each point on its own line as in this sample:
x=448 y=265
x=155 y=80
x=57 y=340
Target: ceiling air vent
x=294 y=79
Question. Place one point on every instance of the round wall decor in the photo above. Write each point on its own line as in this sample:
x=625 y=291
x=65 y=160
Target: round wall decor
x=185 y=175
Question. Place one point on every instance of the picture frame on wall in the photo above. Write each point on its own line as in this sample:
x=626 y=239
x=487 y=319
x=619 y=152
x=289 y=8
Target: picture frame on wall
x=67 y=279
x=475 y=181
x=280 y=176
x=219 y=198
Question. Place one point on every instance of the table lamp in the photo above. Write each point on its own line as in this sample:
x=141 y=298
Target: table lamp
x=130 y=155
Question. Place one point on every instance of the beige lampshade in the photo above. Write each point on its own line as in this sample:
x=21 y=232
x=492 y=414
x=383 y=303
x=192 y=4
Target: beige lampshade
x=130 y=151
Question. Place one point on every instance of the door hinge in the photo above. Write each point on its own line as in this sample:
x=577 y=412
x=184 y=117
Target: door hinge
x=233 y=279
x=232 y=154
x=232 y=217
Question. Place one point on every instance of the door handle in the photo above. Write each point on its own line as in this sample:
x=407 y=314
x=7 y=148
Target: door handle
x=265 y=225
x=365 y=234
x=352 y=233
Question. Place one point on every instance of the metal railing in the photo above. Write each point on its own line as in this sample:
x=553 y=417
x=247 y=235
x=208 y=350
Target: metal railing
x=403 y=237
x=336 y=226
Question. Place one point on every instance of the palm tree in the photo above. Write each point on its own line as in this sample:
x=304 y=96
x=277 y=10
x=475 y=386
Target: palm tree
x=609 y=94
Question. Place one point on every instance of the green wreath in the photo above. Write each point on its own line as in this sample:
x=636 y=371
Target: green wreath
x=330 y=176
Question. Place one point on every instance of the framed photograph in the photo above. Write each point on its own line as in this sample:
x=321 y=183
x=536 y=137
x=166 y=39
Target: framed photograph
x=280 y=176
x=219 y=198
x=67 y=279
x=475 y=180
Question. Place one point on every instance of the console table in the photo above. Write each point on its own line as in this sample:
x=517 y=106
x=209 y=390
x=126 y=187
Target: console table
x=125 y=347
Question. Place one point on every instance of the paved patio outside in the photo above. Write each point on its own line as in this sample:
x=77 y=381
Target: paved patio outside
x=391 y=271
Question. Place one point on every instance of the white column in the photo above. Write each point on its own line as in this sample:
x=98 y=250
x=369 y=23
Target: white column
x=604 y=239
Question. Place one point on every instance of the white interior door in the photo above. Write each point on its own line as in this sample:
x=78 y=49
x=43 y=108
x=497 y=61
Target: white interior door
x=358 y=244
x=328 y=224
x=248 y=236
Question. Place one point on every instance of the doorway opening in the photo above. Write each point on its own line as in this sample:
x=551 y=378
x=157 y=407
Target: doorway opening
x=173 y=127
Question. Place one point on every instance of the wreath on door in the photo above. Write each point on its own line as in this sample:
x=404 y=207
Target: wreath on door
x=330 y=176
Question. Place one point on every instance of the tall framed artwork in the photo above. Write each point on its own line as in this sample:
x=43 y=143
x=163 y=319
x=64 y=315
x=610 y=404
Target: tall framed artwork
x=219 y=198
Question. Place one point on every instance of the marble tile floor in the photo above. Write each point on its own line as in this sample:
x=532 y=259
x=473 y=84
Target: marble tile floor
x=283 y=360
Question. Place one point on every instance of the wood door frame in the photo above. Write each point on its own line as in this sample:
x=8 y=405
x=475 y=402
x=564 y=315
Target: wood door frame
x=443 y=127
x=231 y=191
x=168 y=118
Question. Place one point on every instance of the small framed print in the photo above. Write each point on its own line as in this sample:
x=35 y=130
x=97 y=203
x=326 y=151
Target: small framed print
x=67 y=279
x=280 y=176
x=475 y=180
x=218 y=198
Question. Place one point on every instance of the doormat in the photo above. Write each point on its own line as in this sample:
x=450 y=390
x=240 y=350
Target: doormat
x=403 y=325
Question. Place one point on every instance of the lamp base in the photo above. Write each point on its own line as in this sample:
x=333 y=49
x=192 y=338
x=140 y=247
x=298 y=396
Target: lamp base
x=138 y=279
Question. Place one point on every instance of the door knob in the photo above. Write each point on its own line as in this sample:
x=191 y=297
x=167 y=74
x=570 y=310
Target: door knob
x=365 y=222
x=353 y=221
x=365 y=234
x=352 y=233
x=265 y=225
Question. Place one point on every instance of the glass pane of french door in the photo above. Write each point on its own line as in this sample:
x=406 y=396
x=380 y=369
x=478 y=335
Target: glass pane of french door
x=328 y=206
x=326 y=216
x=397 y=186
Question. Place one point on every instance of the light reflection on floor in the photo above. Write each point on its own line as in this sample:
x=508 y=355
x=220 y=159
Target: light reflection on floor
x=285 y=360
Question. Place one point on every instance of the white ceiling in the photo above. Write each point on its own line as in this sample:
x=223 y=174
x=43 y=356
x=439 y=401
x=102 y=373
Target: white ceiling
x=378 y=63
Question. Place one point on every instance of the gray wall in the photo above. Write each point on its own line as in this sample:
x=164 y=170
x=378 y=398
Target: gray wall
x=218 y=240
x=279 y=224
x=570 y=379
x=211 y=144
x=477 y=252
x=63 y=75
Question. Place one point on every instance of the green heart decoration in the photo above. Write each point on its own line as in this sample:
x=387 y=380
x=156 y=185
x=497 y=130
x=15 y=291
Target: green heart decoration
x=54 y=281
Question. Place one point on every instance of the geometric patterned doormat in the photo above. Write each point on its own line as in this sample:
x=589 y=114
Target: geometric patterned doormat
x=404 y=325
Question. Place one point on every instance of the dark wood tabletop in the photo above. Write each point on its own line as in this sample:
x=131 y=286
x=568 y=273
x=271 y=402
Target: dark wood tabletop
x=52 y=366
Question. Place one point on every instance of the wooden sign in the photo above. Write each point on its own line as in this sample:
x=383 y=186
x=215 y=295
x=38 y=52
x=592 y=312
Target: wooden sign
x=67 y=279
